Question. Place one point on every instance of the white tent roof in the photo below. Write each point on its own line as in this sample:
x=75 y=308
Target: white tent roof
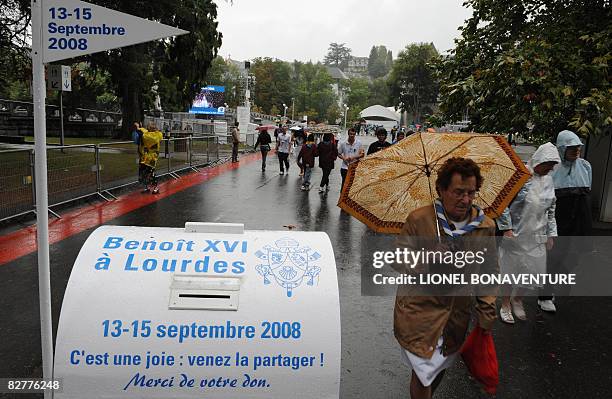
x=379 y=113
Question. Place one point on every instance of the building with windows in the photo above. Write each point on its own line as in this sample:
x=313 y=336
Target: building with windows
x=357 y=66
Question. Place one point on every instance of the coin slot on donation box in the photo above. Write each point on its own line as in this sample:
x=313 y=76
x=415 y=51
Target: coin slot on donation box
x=204 y=293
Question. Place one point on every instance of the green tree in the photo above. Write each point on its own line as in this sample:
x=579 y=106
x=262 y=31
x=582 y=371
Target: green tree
x=274 y=83
x=15 y=73
x=216 y=73
x=313 y=91
x=333 y=114
x=90 y=89
x=379 y=62
x=358 y=95
x=531 y=67
x=412 y=82
x=234 y=82
x=274 y=111
x=379 y=92
x=338 y=55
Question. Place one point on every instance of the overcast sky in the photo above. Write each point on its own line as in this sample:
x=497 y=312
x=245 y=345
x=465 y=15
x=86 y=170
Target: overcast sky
x=303 y=29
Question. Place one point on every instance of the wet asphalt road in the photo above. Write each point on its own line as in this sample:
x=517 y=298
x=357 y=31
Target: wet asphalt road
x=562 y=356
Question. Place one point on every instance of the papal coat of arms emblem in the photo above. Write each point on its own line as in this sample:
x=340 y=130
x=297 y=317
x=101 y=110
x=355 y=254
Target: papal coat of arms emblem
x=288 y=264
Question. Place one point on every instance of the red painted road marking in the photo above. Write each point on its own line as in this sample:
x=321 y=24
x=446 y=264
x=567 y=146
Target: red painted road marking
x=23 y=242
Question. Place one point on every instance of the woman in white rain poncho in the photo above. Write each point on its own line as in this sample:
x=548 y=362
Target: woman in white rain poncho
x=529 y=225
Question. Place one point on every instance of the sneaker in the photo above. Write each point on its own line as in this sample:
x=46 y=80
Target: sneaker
x=506 y=315
x=155 y=191
x=321 y=189
x=547 y=305
x=303 y=188
x=281 y=173
x=518 y=309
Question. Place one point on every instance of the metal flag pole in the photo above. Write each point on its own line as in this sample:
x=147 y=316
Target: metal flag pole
x=62 y=117
x=42 y=217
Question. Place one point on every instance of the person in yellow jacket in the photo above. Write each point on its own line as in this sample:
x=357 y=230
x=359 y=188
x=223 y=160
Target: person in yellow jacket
x=148 y=151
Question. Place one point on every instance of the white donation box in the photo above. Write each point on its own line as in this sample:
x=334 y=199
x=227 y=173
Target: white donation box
x=209 y=311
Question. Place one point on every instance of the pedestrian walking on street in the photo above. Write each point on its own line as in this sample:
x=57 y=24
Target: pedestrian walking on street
x=299 y=138
x=263 y=140
x=328 y=152
x=349 y=151
x=529 y=227
x=148 y=150
x=381 y=143
x=400 y=136
x=235 y=141
x=284 y=146
x=572 y=180
x=432 y=329
x=306 y=158
x=277 y=131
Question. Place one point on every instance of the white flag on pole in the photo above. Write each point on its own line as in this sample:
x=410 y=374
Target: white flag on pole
x=73 y=28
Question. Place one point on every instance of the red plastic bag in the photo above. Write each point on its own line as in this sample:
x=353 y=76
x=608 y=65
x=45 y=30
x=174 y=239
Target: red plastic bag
x=479 y=355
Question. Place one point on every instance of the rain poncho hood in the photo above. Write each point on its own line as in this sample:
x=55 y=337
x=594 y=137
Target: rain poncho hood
x=545 y=153
x=530 y=212
x=571 y=174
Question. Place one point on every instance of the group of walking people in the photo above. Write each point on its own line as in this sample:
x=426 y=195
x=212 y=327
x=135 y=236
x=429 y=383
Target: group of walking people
x=303 y=147
x=554 y=202
x=305 y=150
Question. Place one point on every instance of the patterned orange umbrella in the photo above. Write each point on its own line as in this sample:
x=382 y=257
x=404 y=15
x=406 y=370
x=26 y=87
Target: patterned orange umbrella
x=383 y=188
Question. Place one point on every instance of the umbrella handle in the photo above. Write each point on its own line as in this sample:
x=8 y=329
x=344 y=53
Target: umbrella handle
x=437 y=224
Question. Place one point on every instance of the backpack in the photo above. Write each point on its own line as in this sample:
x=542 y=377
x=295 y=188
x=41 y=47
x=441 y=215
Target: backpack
x=136 y=136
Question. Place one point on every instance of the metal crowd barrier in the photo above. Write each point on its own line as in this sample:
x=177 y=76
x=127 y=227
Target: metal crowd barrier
x=16 y=183
x=204 y=150
x=177 y=155
x=117 y=165
x=71 y=173
x=80 y=171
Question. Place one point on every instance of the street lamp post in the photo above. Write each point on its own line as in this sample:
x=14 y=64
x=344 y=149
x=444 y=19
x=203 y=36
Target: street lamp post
x=285 y=111
x=345 y=111
x=292 y=108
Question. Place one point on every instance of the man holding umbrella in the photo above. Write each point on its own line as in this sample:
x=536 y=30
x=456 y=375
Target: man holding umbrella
x=431 y=329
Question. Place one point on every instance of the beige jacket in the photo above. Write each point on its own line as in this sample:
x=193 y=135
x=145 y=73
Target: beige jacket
x=420 y=320
x=235 y=136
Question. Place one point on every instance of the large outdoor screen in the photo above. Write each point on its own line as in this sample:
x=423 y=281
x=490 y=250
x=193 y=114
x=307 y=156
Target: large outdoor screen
x=210 y=100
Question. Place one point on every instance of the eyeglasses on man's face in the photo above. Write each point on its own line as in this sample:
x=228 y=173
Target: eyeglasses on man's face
x=460 y=194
